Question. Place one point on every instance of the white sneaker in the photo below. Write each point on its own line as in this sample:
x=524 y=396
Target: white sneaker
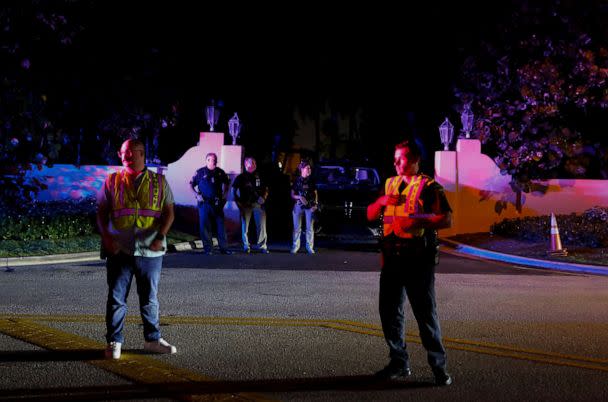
x=113 y=350
x=294 y=251
x=159 y=346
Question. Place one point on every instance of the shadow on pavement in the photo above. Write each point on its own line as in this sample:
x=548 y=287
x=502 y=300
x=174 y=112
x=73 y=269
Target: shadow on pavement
x=51 y=355
x=181 y=389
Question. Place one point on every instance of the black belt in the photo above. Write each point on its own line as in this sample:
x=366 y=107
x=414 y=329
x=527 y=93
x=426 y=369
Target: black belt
x=397 y=246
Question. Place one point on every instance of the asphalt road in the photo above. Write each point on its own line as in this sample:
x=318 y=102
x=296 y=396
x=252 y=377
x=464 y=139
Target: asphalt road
x=283 y=327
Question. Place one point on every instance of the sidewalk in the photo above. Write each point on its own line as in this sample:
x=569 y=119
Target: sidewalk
x=448 y=246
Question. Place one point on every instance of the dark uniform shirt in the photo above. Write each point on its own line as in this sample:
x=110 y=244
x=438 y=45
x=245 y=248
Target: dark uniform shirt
x=210 y=182
x=250 y=187
x=305 y=187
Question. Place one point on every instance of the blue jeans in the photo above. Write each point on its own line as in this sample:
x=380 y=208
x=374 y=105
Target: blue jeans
x=120 y=270
x=297 y=213
x=207 y=214
x=400 y=277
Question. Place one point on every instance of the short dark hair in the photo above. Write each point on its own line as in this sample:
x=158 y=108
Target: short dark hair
x=303 y=163
x=211 y=154
x=412 y=148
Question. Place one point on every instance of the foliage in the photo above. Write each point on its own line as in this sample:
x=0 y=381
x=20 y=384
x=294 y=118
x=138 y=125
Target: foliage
x=27 y=134
x=589 y=229
x=49 y=220
x=23 y=248
x=133 y=121
x=540 y=90
x=49 y=111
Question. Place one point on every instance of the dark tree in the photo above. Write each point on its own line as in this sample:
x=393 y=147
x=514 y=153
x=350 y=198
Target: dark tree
x=539 y=87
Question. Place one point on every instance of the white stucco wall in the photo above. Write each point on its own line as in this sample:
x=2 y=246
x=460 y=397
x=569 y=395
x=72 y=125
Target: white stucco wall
x=71 y=182
x=481 y=196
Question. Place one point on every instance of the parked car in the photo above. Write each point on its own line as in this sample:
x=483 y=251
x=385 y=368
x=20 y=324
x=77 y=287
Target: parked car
x=345 y=191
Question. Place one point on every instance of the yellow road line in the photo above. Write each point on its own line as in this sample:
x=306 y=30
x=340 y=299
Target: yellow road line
x=487 y=348
x=138 y=368
x=528 y=351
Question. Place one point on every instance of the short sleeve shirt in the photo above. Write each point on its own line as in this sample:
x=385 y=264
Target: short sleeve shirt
x=305 y=187
x=250 y=187
x=209 y=182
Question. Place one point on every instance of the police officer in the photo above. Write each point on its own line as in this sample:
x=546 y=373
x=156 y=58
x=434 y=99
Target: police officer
x=210 y=184
x=304 y=193
x=250 y=193
x=413 y=206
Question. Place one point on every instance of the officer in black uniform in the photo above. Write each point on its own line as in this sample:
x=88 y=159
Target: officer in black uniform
x=250 y=193
x=211 y=183
x=413 y=207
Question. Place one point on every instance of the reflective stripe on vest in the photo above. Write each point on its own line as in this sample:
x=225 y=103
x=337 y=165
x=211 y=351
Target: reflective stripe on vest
x=409 y=203
x=136 y=208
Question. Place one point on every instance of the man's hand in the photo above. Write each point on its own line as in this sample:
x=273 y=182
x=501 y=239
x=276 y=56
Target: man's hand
x=388 y=200
x=261 y=200
x=199 y=198
x=110 y=246
x=375 y=208
x=157 y=245
x=406 y=223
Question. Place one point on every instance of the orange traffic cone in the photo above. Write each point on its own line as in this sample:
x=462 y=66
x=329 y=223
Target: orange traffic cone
x=556 y=242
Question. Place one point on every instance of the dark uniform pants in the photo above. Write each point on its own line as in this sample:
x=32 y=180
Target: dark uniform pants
x=207 y=214
x=410 y=273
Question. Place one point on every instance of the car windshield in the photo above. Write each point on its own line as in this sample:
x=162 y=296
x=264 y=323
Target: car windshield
x=343 y=176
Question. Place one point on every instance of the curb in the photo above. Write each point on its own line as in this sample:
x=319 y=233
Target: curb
x=49 y=259
x=81 y=257
x=525 y=261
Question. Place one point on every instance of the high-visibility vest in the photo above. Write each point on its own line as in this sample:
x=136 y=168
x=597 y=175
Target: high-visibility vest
x=409 y=204
x=139 y=207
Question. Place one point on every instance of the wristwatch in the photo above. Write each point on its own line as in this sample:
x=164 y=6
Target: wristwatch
x=160 y=237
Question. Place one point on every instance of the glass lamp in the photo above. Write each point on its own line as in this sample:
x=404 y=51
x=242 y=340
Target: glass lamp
x=213 y=114
x=446 y=132
x=467 y=118
x=234 y=127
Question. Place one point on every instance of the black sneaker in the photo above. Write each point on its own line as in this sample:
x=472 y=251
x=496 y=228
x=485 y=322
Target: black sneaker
x=442 y=378
x=392 y=372
x=225 y=252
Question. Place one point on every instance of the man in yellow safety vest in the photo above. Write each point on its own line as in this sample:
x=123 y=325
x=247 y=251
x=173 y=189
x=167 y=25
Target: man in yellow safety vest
x=135 y=212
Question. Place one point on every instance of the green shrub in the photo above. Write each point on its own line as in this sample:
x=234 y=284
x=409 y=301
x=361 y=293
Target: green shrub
x=49 y=220
x=590 y=229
